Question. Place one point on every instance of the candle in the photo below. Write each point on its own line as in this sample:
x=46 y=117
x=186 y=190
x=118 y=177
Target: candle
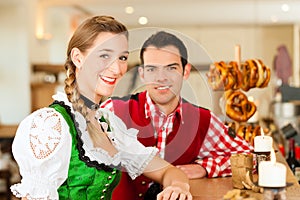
x=271 y=173
x=263 y=143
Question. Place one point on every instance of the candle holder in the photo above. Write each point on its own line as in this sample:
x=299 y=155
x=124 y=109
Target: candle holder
x=261 y=156
x=274 y=193
x=272 y=177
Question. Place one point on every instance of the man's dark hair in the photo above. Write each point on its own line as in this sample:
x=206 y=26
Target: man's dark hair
x=162 y=39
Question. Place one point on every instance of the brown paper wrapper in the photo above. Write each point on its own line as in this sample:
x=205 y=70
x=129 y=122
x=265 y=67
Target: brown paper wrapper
x=240 y=164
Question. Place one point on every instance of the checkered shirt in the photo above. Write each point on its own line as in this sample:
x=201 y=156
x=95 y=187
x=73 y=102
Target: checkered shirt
x=162 y=123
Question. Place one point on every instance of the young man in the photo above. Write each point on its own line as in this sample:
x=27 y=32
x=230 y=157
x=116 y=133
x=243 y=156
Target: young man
x=188 y=136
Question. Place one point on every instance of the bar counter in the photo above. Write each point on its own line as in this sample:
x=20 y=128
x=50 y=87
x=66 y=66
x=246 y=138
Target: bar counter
x=7 y=131
x=216 y=188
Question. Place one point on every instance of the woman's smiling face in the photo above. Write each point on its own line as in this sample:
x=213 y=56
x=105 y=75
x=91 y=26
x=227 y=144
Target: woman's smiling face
x=103 y=65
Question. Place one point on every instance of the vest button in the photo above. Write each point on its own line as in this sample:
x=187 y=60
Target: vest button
x=102 y=197
x=143 y=182
x=104 y=190
x=107 y=184
x=109 y=177
x=140 y=194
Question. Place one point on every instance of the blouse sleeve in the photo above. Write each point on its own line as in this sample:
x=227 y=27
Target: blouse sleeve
x=42 y=149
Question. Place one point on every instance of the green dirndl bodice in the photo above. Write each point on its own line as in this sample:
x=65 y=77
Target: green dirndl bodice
x=85 y=182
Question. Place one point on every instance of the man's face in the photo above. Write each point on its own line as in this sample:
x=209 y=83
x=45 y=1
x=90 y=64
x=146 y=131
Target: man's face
x=163 y=74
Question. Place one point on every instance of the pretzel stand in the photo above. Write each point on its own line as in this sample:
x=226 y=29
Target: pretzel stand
x=235 y=78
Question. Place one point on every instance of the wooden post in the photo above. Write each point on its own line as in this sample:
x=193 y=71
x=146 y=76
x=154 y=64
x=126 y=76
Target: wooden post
x=237 y=54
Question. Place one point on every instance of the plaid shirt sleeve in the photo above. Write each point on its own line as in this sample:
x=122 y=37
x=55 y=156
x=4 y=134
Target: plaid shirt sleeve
x=217 y=148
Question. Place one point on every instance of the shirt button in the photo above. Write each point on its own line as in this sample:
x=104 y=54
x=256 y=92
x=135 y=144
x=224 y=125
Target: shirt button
x=163 y=128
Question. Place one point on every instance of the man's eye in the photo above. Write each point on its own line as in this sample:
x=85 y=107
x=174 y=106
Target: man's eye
x=149 y=69
x=172 y=68
x=123 y=58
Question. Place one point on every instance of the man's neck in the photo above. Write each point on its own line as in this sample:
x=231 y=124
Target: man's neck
x=168 y=108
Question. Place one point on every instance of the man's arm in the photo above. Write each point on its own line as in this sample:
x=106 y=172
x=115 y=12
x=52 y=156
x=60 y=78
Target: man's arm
x=193 y=171
x=214 y=155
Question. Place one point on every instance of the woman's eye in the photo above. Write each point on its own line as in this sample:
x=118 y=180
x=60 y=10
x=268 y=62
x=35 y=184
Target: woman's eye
x=123 y=58
x=104 y=56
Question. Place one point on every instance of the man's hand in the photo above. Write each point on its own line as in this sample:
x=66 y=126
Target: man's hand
x=193 y=171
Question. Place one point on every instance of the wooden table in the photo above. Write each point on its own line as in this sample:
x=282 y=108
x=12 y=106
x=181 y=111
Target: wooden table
x=216 y=188
x=8 y=131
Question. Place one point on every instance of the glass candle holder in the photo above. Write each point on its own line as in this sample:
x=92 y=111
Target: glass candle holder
x=275 y=193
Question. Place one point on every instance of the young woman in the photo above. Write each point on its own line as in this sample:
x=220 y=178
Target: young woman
x=74 y=150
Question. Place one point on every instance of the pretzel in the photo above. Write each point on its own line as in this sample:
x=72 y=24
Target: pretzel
x=241 y=131
x=238 y=107
x=255 y=132
x=252 y=73
x=245 y=131
x=229 y=79
x=233 y=69
x=218 y=76
x=264 y=74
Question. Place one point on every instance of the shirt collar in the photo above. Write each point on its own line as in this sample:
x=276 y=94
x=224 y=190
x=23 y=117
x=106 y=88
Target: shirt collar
x=150 y=104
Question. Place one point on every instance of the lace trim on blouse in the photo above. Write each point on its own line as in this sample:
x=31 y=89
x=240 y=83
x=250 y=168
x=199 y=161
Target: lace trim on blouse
x=82 y=153
x=40 y=146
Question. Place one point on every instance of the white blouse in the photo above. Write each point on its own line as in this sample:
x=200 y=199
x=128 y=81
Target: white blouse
x=42 y=149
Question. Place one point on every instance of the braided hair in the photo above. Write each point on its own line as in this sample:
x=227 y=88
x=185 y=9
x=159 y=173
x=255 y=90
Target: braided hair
x=83 y=38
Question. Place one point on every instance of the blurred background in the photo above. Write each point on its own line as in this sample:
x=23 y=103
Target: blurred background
x=34 y=36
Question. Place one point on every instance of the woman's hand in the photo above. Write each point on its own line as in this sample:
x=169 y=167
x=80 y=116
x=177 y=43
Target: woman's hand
x=174 y=180
x=176 y=191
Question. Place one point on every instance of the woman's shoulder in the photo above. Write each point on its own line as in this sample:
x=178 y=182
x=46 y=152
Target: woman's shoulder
x=44 y=130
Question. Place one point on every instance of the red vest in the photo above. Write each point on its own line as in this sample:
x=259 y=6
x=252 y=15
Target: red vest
x=182 y=144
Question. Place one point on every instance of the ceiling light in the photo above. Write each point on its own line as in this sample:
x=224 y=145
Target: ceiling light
x=285 y=7
x=143 y=20
x=274 y=19
x=129 y=9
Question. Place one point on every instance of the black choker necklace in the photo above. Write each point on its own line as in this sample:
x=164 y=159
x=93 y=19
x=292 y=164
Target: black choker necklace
x=91 y=105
